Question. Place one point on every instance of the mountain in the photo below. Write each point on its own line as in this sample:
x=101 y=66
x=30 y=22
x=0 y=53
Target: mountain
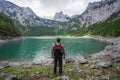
x=99 y=11
x=7 y=27
x=24 y=15
x=61 y=17
x=109 y=27
x=100 y=18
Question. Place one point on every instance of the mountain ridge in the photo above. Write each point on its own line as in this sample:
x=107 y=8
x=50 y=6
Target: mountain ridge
x=99 y=11
x=24 y=15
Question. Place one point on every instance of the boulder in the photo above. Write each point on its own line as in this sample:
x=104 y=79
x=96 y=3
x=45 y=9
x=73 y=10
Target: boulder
x=4 y=64
x=81 y=79
x=12 y=77
x=115 y=56
x=69 y=60
x=15 y=64
x=65 y=77
x=98 y=55
x=26 y=66
x=94 y=67
x=2 y=74
x=77 y=69
x=81 y=60
x=104 y=64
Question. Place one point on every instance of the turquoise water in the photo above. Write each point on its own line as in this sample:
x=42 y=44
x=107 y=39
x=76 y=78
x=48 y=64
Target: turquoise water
x=30 y=47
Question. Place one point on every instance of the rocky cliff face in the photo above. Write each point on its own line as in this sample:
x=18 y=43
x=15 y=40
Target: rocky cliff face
x=99 y=11
x=23 y=14
x=61 y=17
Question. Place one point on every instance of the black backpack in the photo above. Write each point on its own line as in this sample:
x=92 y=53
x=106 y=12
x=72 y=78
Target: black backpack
x=58 y=50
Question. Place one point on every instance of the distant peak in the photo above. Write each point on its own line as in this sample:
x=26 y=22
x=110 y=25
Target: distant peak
x=61 y=12
x=2 y=0
x=60 y=16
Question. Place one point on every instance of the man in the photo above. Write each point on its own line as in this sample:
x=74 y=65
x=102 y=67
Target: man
x=57 y=53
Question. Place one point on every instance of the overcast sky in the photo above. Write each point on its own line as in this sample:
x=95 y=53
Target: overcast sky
x=48 y=8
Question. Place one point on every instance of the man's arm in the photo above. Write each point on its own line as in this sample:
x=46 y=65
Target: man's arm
x=63 y=53
x=52 y=53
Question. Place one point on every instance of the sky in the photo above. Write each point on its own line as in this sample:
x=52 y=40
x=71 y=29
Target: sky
x=48 y=8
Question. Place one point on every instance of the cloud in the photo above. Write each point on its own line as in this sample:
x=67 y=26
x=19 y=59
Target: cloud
x=55 y=3
x=48 y=8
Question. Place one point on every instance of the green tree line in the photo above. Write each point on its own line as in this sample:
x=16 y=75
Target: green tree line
x=7 y=27
x=109 y=27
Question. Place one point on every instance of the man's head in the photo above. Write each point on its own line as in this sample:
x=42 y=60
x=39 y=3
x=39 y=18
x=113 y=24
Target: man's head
x=58 y=40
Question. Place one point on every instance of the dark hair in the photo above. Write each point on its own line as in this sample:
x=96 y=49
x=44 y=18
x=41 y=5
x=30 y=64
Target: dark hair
x=58 y=39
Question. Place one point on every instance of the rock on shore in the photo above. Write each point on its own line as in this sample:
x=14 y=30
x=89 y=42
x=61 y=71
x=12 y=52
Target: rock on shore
x=110 y=54
x=10 y=39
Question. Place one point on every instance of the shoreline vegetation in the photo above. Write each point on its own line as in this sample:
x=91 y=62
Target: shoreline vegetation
x=8 y=39
x=104 y=65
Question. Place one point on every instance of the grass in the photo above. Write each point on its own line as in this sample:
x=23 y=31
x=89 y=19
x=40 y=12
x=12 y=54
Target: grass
x=73 y=71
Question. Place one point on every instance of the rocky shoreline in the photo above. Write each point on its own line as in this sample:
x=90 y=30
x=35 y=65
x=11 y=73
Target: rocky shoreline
x=112 y=51
x=109 y=55
x=91 y=65
x=10 y=39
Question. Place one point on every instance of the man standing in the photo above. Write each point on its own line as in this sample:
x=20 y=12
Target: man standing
x=57 y=53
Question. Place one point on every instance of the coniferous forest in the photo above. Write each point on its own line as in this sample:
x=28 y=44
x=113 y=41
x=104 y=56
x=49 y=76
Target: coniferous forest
x=7 y=27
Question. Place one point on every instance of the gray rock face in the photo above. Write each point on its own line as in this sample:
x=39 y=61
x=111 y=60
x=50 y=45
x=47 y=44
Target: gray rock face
x=61 y=17
x=99 y=11
x=12 y=77
x=24 y=15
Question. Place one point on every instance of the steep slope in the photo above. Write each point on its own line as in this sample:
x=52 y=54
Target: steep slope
x=109 y=27
x=99 y=11
x=24 y=15
x=7 y=27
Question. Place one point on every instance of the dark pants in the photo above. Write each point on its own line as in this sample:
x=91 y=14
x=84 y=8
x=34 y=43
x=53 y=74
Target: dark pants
x=56 y=60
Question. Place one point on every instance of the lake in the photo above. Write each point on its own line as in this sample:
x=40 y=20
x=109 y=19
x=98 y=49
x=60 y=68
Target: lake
x=31 y=47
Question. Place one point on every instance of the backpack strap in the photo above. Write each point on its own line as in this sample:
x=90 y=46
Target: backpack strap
x=57 y=45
